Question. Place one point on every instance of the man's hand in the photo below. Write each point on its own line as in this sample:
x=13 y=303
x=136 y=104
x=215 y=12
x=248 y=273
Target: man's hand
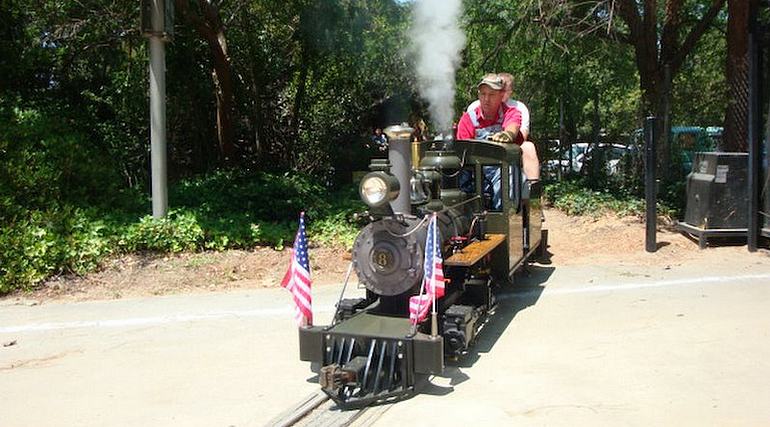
x=504 y=136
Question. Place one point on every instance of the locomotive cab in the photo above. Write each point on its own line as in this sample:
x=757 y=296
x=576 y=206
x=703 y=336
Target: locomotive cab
x=487 y=225
x=517 y=215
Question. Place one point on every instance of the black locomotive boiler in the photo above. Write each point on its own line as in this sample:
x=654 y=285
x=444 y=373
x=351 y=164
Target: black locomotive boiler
x=372 y=352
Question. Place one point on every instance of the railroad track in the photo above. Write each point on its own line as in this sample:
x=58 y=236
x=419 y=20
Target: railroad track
x=317 y=410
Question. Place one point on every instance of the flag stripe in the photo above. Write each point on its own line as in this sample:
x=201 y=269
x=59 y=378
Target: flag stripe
x=433 y=275
x=297 y=278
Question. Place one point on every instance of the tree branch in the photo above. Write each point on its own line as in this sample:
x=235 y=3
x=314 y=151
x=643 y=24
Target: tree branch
x=630 y=15
x=671 y=25
x=677 y=58
x=585 y=28
x=499 y=46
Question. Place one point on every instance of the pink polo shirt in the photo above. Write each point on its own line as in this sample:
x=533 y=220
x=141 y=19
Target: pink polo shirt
x=479 y=127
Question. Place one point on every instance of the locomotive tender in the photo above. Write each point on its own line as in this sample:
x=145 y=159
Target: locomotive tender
x=372 y=352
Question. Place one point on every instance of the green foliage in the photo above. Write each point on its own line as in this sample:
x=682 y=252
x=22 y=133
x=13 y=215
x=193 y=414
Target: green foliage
x=310 y=80
x=575 y=198
x=40 y=243
x=45 y=160
x=700 y=88
x=336 y=225
x=177 y=232
x=223 y=210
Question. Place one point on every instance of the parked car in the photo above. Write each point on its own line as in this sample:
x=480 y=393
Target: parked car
x=560 y=157
x=609 y=155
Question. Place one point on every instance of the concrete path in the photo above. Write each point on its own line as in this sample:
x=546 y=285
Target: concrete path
x=590 y=345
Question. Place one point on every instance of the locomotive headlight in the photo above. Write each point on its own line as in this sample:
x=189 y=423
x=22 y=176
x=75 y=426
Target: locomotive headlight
x=378 y=188
x=374 y=190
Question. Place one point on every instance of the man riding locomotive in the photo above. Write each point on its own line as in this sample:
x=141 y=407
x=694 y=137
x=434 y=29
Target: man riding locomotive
x=494 y=117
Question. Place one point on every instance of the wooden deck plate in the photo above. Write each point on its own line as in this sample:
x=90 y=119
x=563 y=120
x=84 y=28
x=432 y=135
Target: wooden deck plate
x=472 y=253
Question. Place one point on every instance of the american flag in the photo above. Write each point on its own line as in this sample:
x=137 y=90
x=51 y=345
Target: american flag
x=433 y=276
x=297 y=279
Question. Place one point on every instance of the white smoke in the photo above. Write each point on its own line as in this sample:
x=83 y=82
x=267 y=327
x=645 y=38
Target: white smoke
x=437 y=41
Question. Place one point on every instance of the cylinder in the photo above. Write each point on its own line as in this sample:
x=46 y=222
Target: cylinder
x=158 y=126
x=754 y=135
x=399 y=154
x=650 y=183
x=415 y=153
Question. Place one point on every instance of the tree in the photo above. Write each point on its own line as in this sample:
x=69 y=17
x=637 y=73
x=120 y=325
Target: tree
x=662 y=38
x=737 y=71
x=209 y=25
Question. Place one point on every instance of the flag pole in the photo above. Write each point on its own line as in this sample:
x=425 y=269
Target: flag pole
x=344 y=285
x=422 y=288
x=419 y=308
x=434 y=319
x=308 y=321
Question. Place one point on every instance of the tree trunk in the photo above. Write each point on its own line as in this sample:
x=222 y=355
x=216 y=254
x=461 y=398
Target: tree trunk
x=211 y=29
x=256 y=93
x=653 y=80
x=563 y=142
x=737 y=73
x=664 y=129
x=597 y=162
x=299 y=98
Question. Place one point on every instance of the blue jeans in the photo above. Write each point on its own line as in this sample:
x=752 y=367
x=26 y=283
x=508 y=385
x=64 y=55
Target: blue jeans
x=493 y=184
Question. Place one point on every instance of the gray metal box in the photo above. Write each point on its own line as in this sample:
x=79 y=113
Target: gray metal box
x=717 y=196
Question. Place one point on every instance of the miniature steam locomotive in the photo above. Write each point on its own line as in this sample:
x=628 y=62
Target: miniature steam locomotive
x=372 y=352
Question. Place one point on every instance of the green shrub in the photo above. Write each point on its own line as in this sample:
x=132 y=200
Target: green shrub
x=275 y=235
x=36 y=244
x=26 y=257
x=264 y=196
x=575 y=198
x=334 y=230
x=45 y=162
x=217 y=212
x=178 y=231
x=84 y=241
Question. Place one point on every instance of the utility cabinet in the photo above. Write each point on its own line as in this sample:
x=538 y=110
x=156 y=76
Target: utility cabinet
x=717 y=196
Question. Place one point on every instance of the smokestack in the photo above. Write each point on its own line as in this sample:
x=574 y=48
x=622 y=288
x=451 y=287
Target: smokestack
x=400 y=157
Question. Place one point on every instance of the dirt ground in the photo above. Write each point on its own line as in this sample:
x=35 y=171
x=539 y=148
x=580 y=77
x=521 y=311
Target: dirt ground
x=572 y=240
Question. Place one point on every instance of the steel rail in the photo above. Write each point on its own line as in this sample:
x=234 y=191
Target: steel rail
x=317 y=410
x=305 y=406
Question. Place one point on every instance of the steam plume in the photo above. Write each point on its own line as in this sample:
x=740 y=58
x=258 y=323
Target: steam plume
x=437 y=41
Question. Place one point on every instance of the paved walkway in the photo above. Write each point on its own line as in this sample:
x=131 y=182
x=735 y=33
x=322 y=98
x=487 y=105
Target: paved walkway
x=591 y=345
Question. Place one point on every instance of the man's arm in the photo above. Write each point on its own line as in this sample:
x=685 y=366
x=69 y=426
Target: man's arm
x=524 y=119
x=514 y=131
x=511 y=125
x=465 y=128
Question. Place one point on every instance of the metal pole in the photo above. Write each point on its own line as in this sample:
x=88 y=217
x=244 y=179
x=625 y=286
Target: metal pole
x=434 y=320
x=665 y=141
x=344 y=285
x=650 y=126
x=765 y=190
x=562 y=142
x=158 y=113
x=755 y=130
x=563 y=137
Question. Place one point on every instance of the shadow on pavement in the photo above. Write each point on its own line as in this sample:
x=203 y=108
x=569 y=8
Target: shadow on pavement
x=510 y=301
